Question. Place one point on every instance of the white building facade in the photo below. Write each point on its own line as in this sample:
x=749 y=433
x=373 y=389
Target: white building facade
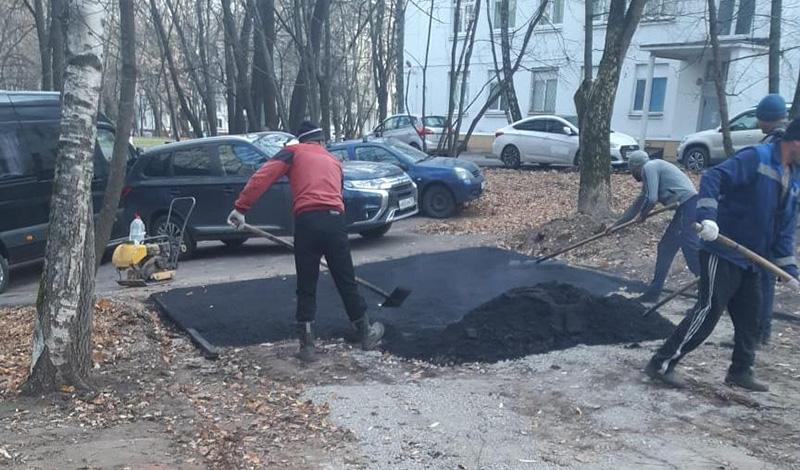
x=669 y=52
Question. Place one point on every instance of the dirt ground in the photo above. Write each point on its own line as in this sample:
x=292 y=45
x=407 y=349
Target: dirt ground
x=161 y=405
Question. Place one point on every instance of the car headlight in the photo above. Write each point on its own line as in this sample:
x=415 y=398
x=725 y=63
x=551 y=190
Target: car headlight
x=376 y=183
x=463 y=174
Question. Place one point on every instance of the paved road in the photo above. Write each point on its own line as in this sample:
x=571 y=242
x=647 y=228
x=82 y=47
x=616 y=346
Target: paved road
x=216 y=263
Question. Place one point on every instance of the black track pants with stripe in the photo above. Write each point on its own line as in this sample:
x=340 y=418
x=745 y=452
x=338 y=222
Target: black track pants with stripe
x=722 y=284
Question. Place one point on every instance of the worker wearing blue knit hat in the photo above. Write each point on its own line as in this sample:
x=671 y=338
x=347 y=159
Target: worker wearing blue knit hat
x=771 y=115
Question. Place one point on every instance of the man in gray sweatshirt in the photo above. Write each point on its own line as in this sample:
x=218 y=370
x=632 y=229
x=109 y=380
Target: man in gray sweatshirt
x=665 y=183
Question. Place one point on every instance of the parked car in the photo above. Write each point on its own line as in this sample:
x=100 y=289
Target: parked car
x=271 y=142
x=214 y=170
x=29 y=128
x=704 y=149
x=410 y=130
x=551 y=140
x=444 y=183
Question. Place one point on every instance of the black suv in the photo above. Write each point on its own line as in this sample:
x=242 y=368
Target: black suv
x=29 y=128
x=215 y=169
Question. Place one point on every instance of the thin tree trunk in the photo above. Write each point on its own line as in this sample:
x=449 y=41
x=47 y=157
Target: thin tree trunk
x=776 y=12
x=209 y=94
x=399 y=52
x=229 y=26
x=43 y=36
x=62 y=338
x=186 y=109
x=243 y=104
x=266 y=16
x=508 y=76
x=127 y=95
x=594 y=102
x=325 y=84
x=455 y=149
x=588 y=40
x=58 y=41
x=719 y=80
x=425 y=69
x=452 y=79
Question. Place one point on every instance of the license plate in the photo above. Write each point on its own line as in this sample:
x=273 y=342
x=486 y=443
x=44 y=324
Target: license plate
x=406 y=203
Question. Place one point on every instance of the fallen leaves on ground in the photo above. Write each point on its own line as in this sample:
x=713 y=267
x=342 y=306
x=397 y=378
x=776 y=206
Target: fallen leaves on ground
x=227 y=414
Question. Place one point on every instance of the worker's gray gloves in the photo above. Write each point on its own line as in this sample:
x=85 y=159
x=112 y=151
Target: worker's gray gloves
x=709 y=230
x=236 y=220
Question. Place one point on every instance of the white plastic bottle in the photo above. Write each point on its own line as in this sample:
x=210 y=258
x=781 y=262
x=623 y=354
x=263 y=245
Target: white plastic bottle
x=137 y=231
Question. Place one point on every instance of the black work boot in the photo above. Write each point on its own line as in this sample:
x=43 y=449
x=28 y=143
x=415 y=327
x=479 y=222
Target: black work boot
x=746 y=380
x=368 y=334
x=668 y=378
x=305 y=334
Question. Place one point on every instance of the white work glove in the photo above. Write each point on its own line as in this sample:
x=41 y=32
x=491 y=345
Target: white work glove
x=709 y=231
x=236 y=220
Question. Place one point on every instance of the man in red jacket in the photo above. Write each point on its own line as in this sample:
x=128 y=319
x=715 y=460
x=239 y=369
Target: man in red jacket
x=315 y=177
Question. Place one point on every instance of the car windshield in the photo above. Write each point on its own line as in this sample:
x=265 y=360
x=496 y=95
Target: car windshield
x=434 y=121
x=408 y=152
x=271 y=144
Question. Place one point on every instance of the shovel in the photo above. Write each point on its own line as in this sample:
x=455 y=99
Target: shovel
x=603 y=234
x=744 y=251
x=392 y=299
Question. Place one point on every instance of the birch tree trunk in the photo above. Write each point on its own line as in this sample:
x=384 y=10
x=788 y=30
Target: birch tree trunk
x=62 y=337
x=127 y=95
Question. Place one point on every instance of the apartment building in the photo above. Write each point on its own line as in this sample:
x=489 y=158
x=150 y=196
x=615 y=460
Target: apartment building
x=669 y=52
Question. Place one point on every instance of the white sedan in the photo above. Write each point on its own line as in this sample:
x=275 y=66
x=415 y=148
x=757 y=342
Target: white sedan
x=550 y=140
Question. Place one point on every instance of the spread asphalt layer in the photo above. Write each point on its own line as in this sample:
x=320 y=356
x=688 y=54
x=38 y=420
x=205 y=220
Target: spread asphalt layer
x=445 y=287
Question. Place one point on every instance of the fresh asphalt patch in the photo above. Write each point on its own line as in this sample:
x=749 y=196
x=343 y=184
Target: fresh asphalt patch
x=435 y=322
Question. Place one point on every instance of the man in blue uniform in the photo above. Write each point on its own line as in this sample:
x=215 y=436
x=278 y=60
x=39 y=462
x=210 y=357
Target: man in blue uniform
x=752 y=198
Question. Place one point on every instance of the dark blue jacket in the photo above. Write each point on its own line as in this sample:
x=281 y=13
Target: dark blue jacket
x=743 y=195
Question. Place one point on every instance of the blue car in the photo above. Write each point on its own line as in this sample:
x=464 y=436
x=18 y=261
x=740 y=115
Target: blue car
x=444 y=184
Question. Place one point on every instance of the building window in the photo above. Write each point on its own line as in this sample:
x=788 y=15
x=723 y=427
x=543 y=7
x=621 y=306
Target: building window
x=657 y=95
x=544 y=85
x=219 y=122
x=554 y=12
x=500 y=103
x=466 y=16
x=498 y=9
x=658 y=9
x=740 y=10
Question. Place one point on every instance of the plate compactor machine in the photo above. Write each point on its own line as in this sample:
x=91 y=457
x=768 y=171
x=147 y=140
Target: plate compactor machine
x=152 y=260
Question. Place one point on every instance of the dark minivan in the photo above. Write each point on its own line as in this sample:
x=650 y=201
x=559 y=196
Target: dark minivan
x=29 y=127
x=215 y=169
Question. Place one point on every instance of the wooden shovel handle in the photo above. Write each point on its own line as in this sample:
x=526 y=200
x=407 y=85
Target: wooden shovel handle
x=751 y=255
x=604 y=233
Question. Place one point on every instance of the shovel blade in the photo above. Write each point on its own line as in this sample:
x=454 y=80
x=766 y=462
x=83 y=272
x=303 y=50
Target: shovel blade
x=396 y=298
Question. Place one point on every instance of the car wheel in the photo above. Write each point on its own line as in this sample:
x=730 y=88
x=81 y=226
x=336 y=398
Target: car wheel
x=173 y=230
x=696 y=158
x=378 y=232
x=510 y=157
x=438 y=202
x=234 y=242
x=3 y=273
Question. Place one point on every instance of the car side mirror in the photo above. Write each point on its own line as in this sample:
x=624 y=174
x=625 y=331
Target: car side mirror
x=567 y=130
x=139 y=151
